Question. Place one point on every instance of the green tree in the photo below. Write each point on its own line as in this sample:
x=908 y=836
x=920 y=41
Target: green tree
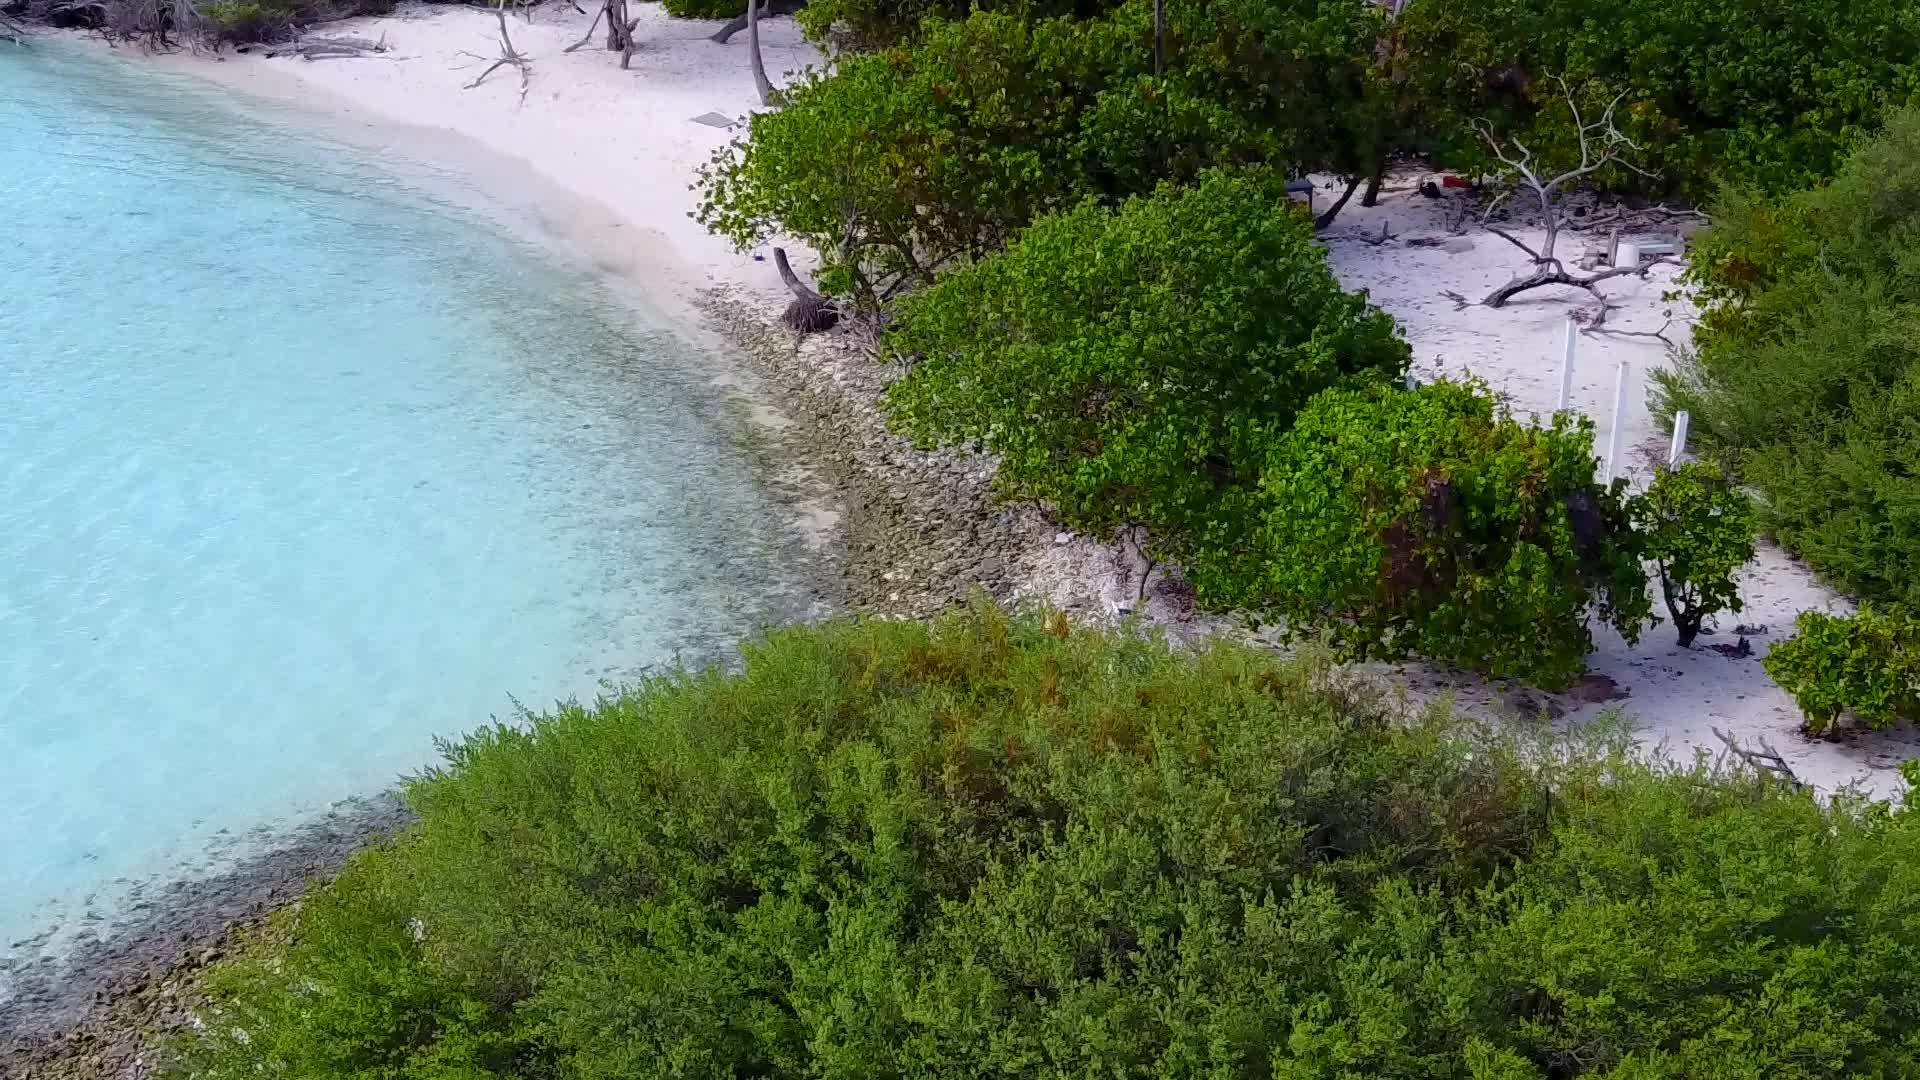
x=1749 y=90
x=1698 y=531
x=1428 y=522
x=1867 y=664
x=1805 y=371
x=1130 y=366
x=899 y=164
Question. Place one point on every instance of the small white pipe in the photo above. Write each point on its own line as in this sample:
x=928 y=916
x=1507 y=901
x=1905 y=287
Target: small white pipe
x=1679 y=446
x=1566 y=367
x=1613 y=437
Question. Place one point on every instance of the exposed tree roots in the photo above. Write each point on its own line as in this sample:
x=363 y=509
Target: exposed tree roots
x=809 y=312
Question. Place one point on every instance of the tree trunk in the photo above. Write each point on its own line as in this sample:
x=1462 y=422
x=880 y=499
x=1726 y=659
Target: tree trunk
x=753 y=46
x=1333 y=211
x=725 y=33
x=1159 y=38
x=809 y=311
x=619 y=28
x=1372 y=197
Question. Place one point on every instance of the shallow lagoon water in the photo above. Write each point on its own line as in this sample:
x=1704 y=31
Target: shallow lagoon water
x=300 y=468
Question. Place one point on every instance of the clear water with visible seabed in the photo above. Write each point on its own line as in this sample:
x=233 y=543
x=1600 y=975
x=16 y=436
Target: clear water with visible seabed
x=301 y=467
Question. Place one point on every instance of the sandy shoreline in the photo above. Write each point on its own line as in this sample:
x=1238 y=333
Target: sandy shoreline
x=600 y=161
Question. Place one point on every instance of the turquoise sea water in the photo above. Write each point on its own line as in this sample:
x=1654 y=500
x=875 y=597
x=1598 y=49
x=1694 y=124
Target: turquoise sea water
x=300 y=468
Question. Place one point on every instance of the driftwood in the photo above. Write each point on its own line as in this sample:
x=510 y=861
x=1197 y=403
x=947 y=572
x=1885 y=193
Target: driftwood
x=809 y=311
x=620 y=31
x=509 y=56
x=314 y=48
x=587 y=38
x=1601 y=144
x=1766 y=759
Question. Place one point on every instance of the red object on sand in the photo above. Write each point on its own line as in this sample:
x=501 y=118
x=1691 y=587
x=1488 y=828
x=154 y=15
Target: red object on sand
x=1454 y=182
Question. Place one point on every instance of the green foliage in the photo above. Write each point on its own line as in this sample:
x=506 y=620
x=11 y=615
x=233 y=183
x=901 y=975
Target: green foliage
x=898 y=164
x=1805 y=373
x=1429 y=522
x=878 y=24
x=344 y=986
x=244 y=20
x=1016 y=848
x=1698 y=531
x=1867 y=665
x=706 y=9
x=1130 y=366
x=1750 y=90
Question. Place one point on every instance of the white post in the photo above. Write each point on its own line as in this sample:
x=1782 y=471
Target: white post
x=1566 y=367
x=1613 y=437
x=1679 y=446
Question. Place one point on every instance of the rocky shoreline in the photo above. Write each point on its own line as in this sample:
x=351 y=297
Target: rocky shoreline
x=921 y=528
x=87 y=1016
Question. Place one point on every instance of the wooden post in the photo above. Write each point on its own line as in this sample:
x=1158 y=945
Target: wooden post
x=1680 y=421
x=1613 y=437
x=1566 y=367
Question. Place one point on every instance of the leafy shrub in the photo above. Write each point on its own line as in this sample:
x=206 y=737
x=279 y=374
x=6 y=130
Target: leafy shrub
x=1868 y=665
x=897 y=164
x=877 y=24
x=1805 y=373
x=1130 y=366
x=1698 y=531
x=244 y=20
x=1402 y=522
x=993 y=847
x=706 y=9
x=1721 y=90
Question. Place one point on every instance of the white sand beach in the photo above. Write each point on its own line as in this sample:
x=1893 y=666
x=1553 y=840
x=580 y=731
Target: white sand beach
x=630 y=142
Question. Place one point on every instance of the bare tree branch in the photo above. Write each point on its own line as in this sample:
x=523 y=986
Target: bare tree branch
x=1601 y=144
x=1515 y=241
x=509 y=56
x=587 y=38
x=1766 y=759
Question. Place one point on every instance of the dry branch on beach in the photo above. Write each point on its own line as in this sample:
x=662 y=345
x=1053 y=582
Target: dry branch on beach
x=1602 y=144
x=326 y=48
x=509 y=56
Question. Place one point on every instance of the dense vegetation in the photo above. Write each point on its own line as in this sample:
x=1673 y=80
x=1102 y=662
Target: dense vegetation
x=1115 y=363
x=953 y=130
x=1428 y=521
x=994 y=847
x=1805 y=373
x=1867 y=665
x=1755 y=91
